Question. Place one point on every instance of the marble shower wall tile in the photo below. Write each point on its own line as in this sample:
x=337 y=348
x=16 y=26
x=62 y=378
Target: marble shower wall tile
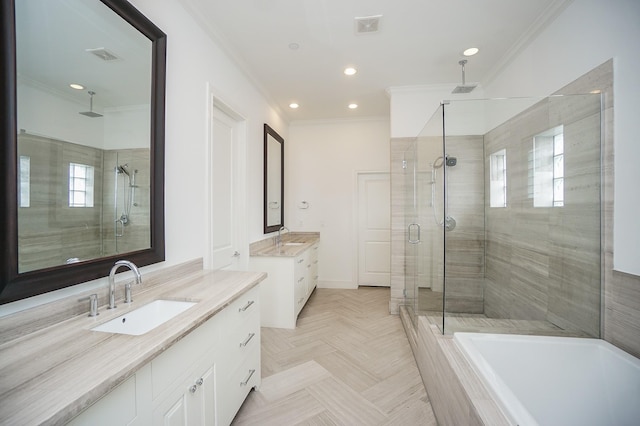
x=543 y=263
x=50 y=232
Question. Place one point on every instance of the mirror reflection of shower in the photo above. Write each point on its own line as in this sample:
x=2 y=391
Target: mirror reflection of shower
x=448 y=223
x=125 y=200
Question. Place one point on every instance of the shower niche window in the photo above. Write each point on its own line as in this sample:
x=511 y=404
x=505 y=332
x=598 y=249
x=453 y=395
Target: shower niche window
x=498 y=181
x=80 y=185
x=24 y=189
x=546 y=169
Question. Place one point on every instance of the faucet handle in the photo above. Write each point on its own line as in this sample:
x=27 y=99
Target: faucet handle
x=127 y=292
x=93 y=300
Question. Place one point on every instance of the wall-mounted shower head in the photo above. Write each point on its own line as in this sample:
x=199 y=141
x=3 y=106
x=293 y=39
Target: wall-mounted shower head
x=463 y=88
x=123 y=169
x=90 y=113
x=437 y=163
x=451 y=161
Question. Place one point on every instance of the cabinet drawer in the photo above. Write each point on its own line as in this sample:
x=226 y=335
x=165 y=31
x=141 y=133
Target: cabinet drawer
x=242 y=309
x=243 y=341
x=237 y=385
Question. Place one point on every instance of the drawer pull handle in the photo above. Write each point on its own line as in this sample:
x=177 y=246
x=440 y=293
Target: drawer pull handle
x=301 y=260
x=244 y=383
x=245 y=307
x=247 y=340
x=193 y=389
x=200 y=381
x=300 y=279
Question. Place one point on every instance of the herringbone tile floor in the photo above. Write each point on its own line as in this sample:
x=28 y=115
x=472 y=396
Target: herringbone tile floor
x=348 y=362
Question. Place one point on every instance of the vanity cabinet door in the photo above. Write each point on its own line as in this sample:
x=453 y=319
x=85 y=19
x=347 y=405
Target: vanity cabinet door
x=192 y=403
x=127 y=404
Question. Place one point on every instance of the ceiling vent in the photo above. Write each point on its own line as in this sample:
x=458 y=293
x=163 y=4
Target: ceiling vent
x=368 y=24
x=103 y=54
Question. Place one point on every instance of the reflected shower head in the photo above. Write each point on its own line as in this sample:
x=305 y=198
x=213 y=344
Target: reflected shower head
x=90 y=113
x=463 y=88
x=437 y=163
x=123 y=169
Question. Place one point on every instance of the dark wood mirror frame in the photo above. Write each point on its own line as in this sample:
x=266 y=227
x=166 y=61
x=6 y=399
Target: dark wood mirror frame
x=14 y=285
x=269 y=131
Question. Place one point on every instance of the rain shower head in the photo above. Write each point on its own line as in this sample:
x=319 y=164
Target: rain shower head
x=463 y=88
x=90 y=113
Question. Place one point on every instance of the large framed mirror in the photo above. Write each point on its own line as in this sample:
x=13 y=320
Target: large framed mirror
x=273 y=180
x=82 y=124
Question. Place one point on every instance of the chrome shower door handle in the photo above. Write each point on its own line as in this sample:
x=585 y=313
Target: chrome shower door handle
x=416 y=241
x=121 y=234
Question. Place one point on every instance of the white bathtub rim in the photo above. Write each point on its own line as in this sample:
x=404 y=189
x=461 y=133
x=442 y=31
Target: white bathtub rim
x=505 y=399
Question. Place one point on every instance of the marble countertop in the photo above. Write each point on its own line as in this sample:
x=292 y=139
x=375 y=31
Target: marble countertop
x=291 y=245
x=50 y=375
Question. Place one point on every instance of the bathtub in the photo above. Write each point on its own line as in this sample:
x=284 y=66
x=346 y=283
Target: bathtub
x=546 y=381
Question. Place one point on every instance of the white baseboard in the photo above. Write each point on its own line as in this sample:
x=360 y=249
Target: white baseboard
x=337 y=284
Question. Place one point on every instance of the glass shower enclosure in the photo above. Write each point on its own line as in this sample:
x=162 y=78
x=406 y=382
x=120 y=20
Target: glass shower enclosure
x=502 y=202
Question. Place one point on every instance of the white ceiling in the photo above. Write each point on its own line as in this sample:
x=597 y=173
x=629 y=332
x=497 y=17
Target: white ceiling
x=419 y=43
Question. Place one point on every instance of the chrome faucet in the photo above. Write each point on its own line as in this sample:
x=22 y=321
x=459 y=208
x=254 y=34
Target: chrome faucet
x=279 y=238
x=127 y=286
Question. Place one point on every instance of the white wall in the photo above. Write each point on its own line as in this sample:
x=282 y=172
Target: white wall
x=193 y=59
x=586 y=34
x=321 y=161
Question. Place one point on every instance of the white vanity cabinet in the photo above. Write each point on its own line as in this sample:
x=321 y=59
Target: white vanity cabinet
x=201 y=380
x=289 y=283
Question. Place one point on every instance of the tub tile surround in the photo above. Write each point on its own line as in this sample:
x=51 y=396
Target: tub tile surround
x=457 y=395
x=65 y=367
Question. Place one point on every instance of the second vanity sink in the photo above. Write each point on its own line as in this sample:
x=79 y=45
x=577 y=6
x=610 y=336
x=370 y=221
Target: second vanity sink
x=145 y=318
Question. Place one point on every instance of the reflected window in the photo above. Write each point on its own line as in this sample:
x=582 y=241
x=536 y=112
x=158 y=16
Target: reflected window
x=498 y=179
x=24 y=173
x=546 y=169
x=80 y=185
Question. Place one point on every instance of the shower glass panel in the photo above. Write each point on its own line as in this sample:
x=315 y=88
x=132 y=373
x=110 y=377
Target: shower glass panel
x=509 y=213
x=424 y=220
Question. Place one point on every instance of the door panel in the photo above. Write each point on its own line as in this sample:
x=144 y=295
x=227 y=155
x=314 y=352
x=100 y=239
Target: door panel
x=374 y=229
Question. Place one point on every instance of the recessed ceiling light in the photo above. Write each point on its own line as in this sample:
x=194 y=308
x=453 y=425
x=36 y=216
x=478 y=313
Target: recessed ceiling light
x=471 y=51
x=76 y=86
x=294 y=46
x=353 y=106
x=350 y=71
x=293 y=105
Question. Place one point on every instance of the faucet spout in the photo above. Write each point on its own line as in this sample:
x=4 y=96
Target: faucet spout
x=112 y=281
x=279 y=238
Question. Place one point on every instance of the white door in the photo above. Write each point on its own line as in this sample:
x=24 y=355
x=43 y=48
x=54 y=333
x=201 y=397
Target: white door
x=225 y=214
x=374 y=229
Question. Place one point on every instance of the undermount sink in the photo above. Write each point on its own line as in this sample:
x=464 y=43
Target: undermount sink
x=293 y=244
x=145 y=318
